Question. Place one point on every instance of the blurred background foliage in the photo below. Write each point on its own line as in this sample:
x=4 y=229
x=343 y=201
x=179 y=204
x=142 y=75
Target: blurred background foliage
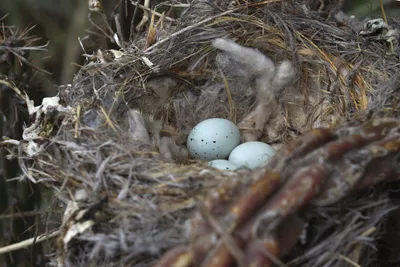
x=362 y=8
x=25 y=209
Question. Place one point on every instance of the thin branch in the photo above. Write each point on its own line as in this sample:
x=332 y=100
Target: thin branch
x=20 y=215
x=228 y=240
x=145 y=17
x=150 y=10
x=29 y=242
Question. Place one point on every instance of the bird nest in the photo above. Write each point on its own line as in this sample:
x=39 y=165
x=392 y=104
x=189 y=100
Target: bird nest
x=112 y=144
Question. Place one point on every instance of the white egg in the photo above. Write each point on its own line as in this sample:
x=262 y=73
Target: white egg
x=252 y=154
x=223 y=164
x=213 y=139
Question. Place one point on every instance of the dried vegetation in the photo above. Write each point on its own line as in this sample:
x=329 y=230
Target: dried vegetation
x=134 y=201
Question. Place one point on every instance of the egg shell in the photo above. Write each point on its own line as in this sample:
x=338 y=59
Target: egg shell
x=252 y=154
x=213 y=139
x=223 y=164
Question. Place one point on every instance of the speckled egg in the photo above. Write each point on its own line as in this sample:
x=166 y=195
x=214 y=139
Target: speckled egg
x=252 y=154
x=223 y=164
x=213 y=139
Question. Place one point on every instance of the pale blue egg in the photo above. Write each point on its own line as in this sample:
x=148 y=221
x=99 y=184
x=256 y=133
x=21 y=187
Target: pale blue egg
x=223 y=164
x=213 y=139
x=252 y=154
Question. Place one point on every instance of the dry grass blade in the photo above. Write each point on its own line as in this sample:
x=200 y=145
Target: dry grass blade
x=232 y=109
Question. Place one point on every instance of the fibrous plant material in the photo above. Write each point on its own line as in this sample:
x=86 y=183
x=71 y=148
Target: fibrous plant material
x=113 y=147
x=20 y=203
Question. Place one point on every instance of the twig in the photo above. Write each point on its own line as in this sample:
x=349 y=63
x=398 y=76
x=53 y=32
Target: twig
x=22 y=165
x=16 y=54
x=10 y=142
x=29 y=242
x=20 y=215
x=145 y=17
x=119 y=29
x=108 y=120
x=349 y=261
x=35 y=48
x=150 y=10
x=229 y=242
x=12 y=85
x=273 y=258
x=175 y=5
x=100 y=29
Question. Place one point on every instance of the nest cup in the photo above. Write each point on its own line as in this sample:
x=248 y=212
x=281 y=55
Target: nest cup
x=117 y=158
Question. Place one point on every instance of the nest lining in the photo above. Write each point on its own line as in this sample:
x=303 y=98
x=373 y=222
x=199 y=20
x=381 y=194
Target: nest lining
x=138 y=200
